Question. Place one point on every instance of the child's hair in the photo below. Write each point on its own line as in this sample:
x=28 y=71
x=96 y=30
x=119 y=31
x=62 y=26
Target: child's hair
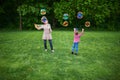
x=76 y=33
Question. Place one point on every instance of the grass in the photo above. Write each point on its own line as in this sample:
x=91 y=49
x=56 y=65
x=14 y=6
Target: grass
x=22 y=56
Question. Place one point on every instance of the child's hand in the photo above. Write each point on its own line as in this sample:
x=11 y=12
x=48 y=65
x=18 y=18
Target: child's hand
x=35 y=25
x=74 y=28
x=82 y=29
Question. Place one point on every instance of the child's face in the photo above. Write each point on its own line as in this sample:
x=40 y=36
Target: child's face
x=46 y=22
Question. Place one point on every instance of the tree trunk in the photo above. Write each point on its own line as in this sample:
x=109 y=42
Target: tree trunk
x=54 y=22
x=20 y=27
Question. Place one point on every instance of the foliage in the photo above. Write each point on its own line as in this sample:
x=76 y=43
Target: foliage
x=8 y=14
x=101 y=13
x=92 y=9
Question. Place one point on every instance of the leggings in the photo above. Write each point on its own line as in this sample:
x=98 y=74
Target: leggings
x=45 y=44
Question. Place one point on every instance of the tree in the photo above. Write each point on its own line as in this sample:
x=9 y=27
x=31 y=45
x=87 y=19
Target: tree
x=113 y=19
x=92 y=9
x=7 y=12
x=95 y=11
x=103 y=13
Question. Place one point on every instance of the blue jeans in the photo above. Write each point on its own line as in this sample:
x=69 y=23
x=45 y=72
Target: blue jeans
x=75 y=47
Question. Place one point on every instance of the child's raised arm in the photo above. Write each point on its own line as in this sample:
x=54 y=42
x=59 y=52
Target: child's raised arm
x=82 y=31
x=37 y=27
x=75 y=30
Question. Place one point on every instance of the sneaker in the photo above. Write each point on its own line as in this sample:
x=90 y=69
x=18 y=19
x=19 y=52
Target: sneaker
x=45 y=49
x=72 y=52
x=52 y=50
x=76 y=54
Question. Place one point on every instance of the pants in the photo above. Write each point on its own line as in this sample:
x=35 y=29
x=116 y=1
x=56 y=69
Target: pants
x=75 y=47
x=45 y=44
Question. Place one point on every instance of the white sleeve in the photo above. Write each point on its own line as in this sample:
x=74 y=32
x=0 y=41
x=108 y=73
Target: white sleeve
x=50 y=28
x=40 y=27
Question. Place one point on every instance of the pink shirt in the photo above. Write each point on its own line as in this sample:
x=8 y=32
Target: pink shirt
x=77 y=37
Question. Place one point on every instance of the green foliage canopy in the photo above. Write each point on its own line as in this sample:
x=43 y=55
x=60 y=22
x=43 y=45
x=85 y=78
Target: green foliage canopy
x=103 y=13
x=92 y=9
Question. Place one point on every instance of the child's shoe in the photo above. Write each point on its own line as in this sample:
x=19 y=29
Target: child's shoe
x=52 y=50
x=76 y=54
x=72 y=52
x=45 y=49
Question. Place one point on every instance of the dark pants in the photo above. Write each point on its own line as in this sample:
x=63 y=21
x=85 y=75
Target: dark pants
x=45 y=44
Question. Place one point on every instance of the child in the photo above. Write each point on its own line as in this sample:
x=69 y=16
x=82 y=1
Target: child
x=46 y=34
x=76 y=40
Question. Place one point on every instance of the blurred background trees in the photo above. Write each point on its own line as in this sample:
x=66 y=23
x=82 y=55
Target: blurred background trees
x=22 y=14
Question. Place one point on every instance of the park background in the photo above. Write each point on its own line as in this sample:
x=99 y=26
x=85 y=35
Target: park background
x=22 y=55
x=22 y=14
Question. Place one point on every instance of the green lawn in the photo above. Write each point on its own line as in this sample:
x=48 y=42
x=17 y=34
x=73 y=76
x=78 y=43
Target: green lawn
x=22 y=56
